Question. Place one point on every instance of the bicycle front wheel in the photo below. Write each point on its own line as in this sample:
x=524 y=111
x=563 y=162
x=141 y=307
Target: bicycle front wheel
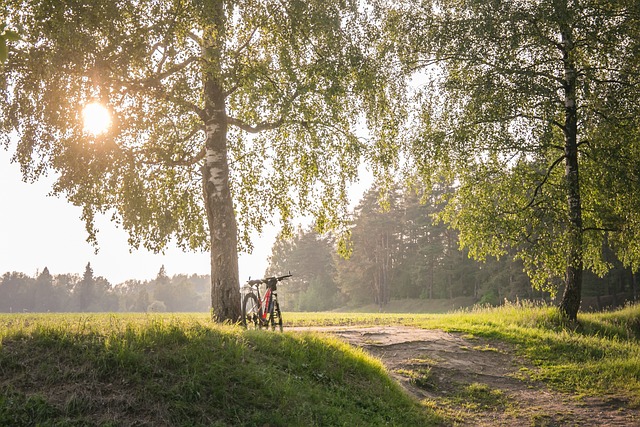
x=276 y=316
x=251 y=311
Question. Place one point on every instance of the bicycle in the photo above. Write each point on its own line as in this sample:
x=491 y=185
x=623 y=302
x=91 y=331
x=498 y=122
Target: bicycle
x=263 y=312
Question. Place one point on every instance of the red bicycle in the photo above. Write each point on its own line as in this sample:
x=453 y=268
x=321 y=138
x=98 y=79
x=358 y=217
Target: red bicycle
x=265 y=312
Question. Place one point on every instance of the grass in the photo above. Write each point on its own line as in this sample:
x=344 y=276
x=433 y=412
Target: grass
x=419 y=377
x=72 y=369
x=476 y=396
x=416 y=306
x=598 y=356
x=182 y=370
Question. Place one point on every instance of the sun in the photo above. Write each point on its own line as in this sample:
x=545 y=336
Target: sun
x=96 y=118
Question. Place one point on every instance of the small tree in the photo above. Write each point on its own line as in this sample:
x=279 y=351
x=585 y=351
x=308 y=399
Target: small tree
x=531 y=111
x=85 y=290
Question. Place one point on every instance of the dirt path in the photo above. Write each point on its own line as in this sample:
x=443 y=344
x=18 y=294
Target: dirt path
x=478 y=382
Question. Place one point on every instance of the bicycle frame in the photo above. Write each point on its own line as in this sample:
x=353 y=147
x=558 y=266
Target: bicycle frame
x=268 y=302
x=262 y=311
x=265 y=312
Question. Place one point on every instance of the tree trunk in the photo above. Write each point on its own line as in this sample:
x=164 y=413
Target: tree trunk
x=225 y=283
x=570 y=303
x=431 y=276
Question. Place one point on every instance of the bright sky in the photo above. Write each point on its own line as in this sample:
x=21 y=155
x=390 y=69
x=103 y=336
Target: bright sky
x=37 y=231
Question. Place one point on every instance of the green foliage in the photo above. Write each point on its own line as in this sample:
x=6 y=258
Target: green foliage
x=298 y=75
x=496 y=91
x=490 y=298
x=185 y=371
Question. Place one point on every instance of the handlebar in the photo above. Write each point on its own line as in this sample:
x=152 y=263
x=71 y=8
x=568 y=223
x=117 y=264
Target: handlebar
x=268 y=279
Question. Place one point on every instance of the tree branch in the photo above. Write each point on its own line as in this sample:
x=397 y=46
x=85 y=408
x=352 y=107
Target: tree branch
x=136 y=87
x=613 y=230
x=191 y=161
x=156 y=156
x=155 y=80
x=539 y=186
x=195 y=38
x=257 y=128
x=243 y=46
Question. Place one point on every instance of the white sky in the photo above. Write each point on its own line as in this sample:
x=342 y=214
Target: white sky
x=37 y=231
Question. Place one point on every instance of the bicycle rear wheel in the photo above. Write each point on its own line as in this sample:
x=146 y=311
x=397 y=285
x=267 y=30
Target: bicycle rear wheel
x=251 y=311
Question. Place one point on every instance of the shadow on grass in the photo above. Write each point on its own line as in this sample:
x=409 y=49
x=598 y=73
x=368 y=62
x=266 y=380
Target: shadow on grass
x=179 y=372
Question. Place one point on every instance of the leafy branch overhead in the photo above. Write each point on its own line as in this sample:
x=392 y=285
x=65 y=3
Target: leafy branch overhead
x=531 y=111
x=6 y=36
x=225 y=114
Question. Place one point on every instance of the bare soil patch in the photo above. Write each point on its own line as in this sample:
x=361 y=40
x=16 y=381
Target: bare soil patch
x=478 y=382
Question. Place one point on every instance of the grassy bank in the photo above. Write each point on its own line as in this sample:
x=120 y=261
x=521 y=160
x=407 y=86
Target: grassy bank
x=598 y=356
x=182 y=370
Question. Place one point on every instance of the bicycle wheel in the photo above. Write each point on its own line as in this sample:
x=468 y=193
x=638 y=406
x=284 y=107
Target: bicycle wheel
x=251 y=311
x=276 y=316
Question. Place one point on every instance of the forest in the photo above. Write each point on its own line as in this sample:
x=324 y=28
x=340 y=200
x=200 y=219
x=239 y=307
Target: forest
x=90 y=293
x=402 y=251
x=398 y=250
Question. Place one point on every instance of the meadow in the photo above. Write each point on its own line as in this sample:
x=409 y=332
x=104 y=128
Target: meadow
x=181 y=369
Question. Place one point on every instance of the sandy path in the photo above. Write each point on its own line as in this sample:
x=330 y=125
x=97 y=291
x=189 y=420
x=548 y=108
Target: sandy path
x=476 y=381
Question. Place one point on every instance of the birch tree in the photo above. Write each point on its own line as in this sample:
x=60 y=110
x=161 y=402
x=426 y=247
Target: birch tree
x=530 y=109
x=187 y=83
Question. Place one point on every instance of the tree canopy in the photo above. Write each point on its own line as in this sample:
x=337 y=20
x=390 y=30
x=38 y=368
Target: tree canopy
x=186 y=83
x=530 y=110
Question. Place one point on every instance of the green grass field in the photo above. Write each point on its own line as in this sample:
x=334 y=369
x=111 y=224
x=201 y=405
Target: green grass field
x=183 y=370
x=78 y=369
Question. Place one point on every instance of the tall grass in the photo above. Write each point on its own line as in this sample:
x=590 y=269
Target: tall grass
x=183 y=370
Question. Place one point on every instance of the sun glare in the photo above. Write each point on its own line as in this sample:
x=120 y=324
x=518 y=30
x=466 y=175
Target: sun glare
x=96 y=118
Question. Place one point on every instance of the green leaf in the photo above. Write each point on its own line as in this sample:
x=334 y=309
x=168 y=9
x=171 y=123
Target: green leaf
x=11 y=36
x=3 y=50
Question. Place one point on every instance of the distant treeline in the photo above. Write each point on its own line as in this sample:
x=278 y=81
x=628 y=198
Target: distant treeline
x=397 y=253
x=401 y=252
x=88 y=293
